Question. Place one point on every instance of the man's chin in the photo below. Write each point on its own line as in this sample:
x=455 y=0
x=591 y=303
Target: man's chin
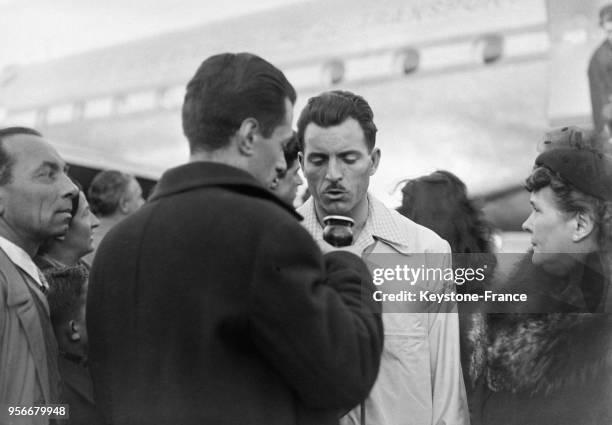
x=335 y=208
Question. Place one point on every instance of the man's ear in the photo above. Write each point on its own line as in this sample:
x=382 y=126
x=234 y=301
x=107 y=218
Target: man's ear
x=375 y=158
x=583 y=226
x=123 y=204
x=247 y=136
x=73 y=331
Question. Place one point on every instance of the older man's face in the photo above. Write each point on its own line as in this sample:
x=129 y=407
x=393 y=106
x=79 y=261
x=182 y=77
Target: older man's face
x=36 y=204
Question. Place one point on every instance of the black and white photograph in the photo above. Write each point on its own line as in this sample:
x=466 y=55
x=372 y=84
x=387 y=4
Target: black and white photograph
x=306 y=212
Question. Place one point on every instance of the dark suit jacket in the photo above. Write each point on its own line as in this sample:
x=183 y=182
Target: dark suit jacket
x=212 y=305
x=77 y=392
x=600 y=82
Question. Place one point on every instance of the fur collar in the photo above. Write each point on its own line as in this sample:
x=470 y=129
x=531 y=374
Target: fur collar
x=539 y=353
x=582 y=290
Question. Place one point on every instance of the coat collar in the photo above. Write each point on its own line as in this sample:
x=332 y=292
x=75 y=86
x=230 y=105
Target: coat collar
x=200 y=174
x=19 y=297
x=540 y=353
x=543 y=353
x=22 y=260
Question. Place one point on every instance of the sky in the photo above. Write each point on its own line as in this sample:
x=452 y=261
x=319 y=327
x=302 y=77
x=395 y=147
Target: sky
x=39 y=30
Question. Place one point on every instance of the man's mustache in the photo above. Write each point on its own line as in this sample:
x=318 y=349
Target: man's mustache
x=334 y=187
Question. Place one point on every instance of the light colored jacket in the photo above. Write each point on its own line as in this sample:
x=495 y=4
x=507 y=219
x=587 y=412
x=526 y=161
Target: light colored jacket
x=24 y=379
x=420 y=380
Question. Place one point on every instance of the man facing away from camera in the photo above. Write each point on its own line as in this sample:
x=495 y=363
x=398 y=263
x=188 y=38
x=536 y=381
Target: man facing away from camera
x=35 y=205
x=420 y=380
x=211 y=304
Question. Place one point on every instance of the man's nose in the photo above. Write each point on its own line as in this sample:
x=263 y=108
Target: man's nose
x=526 y=226
x=334 y=171
x=69 y=189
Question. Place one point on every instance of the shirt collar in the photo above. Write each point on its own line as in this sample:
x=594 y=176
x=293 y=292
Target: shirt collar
x=380 y=225
x=22 y=260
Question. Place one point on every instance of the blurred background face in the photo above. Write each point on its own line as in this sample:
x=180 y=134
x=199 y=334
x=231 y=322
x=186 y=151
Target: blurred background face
x=133 y=199
x=607 y=27
x=551 y=229
x=82 y=226
x=337 y=166
x=288 y=182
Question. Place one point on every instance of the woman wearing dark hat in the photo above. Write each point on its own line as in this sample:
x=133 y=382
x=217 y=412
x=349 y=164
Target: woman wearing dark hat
x=549 y=361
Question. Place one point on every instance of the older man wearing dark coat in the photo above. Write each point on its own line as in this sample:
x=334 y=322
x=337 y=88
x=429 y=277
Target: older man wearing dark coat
x=211 y=305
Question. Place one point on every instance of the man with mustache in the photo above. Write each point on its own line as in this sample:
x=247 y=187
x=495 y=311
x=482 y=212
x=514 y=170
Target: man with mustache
x=420 y=380
x=35 y=205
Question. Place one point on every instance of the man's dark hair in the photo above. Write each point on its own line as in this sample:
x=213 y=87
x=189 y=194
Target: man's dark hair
x=333 y=108
x=6 y=162
x=227 y=89
x=291 y=150
x=106 y=190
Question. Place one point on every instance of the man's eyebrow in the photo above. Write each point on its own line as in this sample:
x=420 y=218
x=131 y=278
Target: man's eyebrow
x=48 y=164
x=317 y=154
x=350 y=152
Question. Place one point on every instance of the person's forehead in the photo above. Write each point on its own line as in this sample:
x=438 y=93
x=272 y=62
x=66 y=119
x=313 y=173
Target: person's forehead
x=348 y=135
x=82 y=201
x=285 y=126
x=31 y=147
x=542 y=196
x=288 y=111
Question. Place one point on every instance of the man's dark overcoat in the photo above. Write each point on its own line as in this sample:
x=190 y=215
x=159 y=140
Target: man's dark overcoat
x=212 y=305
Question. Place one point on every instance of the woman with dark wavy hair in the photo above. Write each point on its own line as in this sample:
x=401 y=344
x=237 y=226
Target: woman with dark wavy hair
x=549 y=360
x=439 y=202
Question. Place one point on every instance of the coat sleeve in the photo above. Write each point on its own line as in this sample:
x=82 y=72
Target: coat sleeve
x=314 y=318
x=449 y=396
